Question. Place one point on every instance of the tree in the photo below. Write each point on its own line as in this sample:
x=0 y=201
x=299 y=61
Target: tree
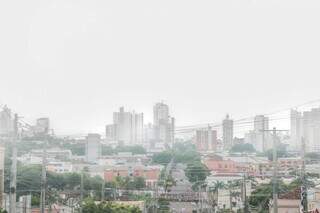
x=90 y=206
x=243 y=148
x=162 y=158
x=196 y=172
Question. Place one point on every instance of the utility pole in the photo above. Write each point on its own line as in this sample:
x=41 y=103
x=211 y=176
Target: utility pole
x=13 y=182
x=275 y=172
x=81 y=191
x=275 y=167
x=244 y=185
x=304 y=189
x=43 y=178
x=103 y=190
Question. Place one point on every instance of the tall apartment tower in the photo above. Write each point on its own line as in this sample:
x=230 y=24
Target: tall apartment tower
x=311 y=129
x=262 y=138
x=227 y=129
x=206 y=139
x=93 y=148
x=127 y=127
x=296 y=129
x=306 y=125
x=163 y=124
x=6 y=122
x=42 y=126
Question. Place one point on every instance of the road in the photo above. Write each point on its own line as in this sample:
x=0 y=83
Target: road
x=182 y=183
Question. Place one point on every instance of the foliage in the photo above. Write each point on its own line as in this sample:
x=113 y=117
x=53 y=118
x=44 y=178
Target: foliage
x=90 y=206
x=185 y=153
x=129 y=183
x=243 y=148
x=163 y=206
x=261 y=195
x=196 y=172
x=312 y=156
x=162 y=158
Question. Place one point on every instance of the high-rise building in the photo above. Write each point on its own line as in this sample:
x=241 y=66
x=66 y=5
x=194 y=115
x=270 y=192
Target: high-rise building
x=128 y=127
x=137 y=128
x=206 y=139
x=93 y=148
x=164 y=125
x=42 y=126
x=111 y=132
x=227 y=128
x=311 y=130
x=262 y=138
x=307 y=126
x=2 y=153
x=295 y=129
x=6 y=122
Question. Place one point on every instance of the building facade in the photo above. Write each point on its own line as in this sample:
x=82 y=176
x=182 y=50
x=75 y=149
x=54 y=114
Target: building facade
x=206 y=140
x=93 y=148
x=227 y=128
x=127 y=127
x=164 y=125
x=6 y=122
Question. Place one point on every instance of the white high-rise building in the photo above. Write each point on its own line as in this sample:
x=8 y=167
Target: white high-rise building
x=164 y=125
x=295 y=129
x=93 y=148
x=206 y=139
x=227 y=128
x=128 y=127
x=307 y=126
x=262 y=138
x=6 y=122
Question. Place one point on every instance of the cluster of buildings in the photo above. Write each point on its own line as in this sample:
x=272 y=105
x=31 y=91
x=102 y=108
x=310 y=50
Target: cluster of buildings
x=41 y=127
x=128 y=128
x=304 y=125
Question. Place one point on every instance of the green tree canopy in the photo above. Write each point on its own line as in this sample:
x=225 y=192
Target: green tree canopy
x=243 y=148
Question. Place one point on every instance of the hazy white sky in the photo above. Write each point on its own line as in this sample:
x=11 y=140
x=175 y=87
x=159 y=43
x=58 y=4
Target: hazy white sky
x=78 y=61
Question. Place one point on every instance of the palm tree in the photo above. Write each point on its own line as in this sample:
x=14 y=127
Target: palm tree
x=215 y=192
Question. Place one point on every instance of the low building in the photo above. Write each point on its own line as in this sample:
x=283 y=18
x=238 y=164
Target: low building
x=218 y=165
x=286 y=206
x=59 y=167
x=150 y=173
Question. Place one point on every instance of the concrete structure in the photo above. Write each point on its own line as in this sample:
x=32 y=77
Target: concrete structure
x=6 y=122
x=150 y=173
x=127 y=127
x=59 y=167
x=227 y=128
x=111 y=132
x=286 y=206
x=306 y=125
x=206 y=140
x=93 y=148
x=42 y=126
x=295 y=129
x=218 y=165
x=164 y=125
x=262 y=138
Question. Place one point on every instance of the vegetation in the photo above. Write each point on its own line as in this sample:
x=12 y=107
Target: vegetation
x=162 y=158
x=90 y=206
x=243 y=148
x=260 y=197
x=196 y=172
